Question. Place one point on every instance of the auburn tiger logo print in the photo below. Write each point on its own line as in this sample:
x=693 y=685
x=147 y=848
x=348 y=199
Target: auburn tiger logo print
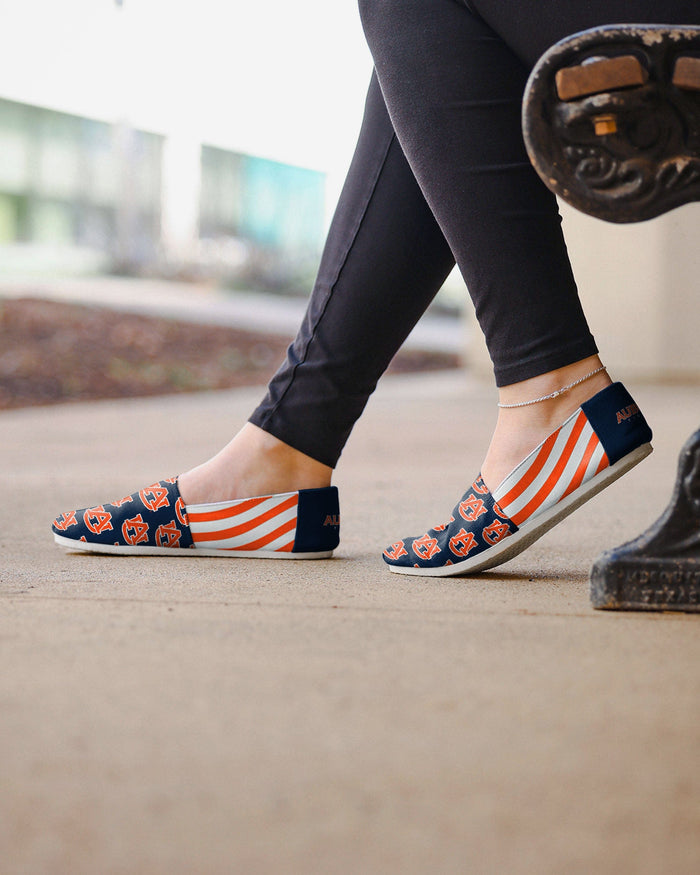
x=180 y=512
x=135 y=530
x=168 y=535
x=499 y=512
x=98 y=520
x=154 y=497
x=471 y=508
x=480 y=487
x=66 y=520
x=495 y=532
x=463 y=543
x=396 y=551
x=477 y=523
x=425 y=547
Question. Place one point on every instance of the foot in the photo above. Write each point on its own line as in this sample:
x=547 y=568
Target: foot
x=599 y=441
x=520 y=429
x=258 y=498
x=253 y=463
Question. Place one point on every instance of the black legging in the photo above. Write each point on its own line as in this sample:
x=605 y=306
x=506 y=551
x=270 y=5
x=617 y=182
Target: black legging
x=440 y=174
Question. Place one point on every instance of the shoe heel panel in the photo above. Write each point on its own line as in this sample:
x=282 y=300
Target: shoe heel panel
x=318 y=520
x=617 y=421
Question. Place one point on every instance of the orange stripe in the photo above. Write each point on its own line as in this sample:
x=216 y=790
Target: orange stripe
x=232 y=532
x=555 y=474
x=531 y=472
x=261 y=542
x=225 y=512
x=286 y=549
x=577 y=479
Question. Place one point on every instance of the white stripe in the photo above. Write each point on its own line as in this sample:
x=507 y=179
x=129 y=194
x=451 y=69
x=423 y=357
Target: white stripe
x=563 y=482
x=239 y=544
x=253 y=534
x=282 y=541
x=238 y=519
x=278 y=497
x=515 y=506
x=596 y=458
x=517 y=474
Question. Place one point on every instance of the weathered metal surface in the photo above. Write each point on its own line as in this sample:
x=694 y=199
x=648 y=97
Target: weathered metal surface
x=598 y=75
x=659 y=570
x=644 y=158
x=686 y=73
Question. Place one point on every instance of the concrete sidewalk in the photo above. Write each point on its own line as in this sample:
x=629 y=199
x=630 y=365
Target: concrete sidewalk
x=249 y=716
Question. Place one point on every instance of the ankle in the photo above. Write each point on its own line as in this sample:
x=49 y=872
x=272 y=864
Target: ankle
x=557 y=390
x=253 y=463
x=267 y=460
x=520 y=429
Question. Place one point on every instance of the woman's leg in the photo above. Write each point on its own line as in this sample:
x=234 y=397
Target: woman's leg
x=456 y=182
x=453 y=83
x=384 y=261
x=453 y=89
x=529 y=29
x=265 y=493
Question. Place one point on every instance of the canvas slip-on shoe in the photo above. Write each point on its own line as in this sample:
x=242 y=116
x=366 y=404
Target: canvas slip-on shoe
x=598 y=443
x=155 y=522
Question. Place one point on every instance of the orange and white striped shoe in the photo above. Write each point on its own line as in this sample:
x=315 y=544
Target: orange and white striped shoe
x=155 y=522
x=598 y=443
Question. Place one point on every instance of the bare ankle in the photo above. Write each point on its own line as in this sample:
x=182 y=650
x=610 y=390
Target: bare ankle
x=557 y=390
x=522 y=426
x=253 y=463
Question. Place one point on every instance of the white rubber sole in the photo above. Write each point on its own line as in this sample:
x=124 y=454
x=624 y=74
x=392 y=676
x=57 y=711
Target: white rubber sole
x=191 y=553
x=530 y=531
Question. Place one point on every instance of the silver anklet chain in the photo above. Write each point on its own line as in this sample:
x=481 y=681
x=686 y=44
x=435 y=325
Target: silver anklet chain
x=558 y=391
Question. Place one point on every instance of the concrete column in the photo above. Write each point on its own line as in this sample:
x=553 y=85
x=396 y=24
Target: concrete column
x=640 y=288
x=181 y=184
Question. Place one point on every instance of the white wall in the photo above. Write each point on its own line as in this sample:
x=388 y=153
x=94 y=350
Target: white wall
x=640 y=289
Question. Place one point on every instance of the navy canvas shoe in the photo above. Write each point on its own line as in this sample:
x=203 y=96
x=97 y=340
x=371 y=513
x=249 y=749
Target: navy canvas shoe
x=598 y=443
x=155 y=521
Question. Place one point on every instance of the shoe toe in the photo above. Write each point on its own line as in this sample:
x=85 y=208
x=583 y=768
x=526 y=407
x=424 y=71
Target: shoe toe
x=152 y=517
x=397 y=554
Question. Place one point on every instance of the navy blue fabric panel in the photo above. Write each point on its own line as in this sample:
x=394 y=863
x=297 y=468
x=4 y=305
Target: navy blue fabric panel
x=153 y=517
x=476 y=524
x=318 y=520
x=617 y=421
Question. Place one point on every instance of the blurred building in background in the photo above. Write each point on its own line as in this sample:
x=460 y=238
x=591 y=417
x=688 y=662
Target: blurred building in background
x=91 y=195
x=265 y=216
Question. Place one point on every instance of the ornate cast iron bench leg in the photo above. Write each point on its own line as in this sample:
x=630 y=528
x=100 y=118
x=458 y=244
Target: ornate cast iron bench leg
x=660 y=570
x=611 y=120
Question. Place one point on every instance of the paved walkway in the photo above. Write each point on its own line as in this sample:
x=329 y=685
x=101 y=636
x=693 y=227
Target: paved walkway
x=221 y=716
